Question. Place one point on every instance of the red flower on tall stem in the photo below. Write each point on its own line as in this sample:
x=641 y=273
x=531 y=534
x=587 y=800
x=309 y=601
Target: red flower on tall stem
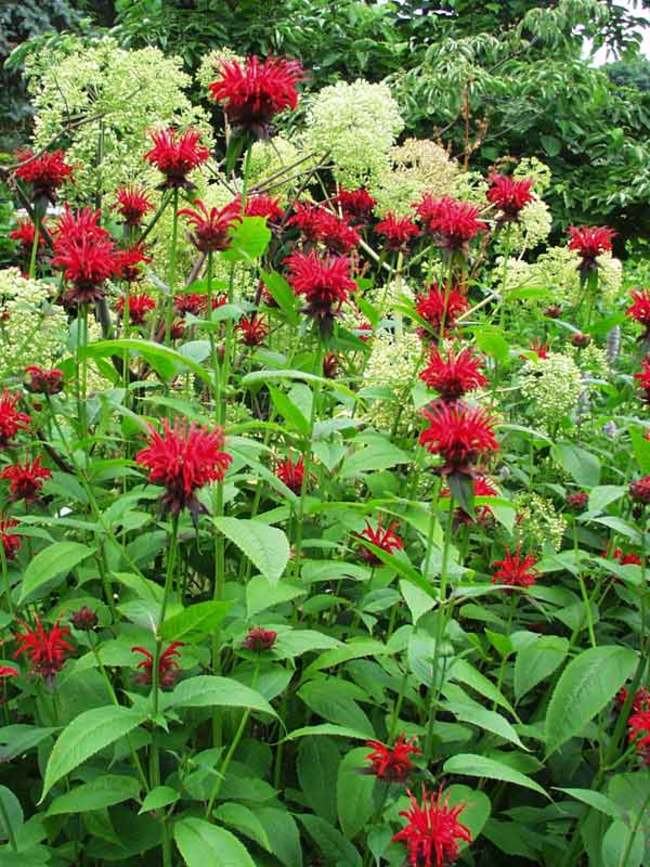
x=128 y=262
x=355 y=205
x=440 y=308
x=510 y=195
x=10 y=541
x=133 y=204
x=625 y=559
x=254 y=92
x=640 y=702
x=211 y=228
x=325 y=283
x=259 y=639
x=397 y=232
x=46 y=649
x=643 y=378
x=460 y=434
x=86 y=253
x=433 y=831
x=45 y=172
x=291 y=473
x=639 y=310
x=138 y=307
x=318 y=225
x=183 y=459
x=11 y=421
x=24 y=234
x=454 y=375
x=26 y=480
x=590 y=242
x=261 y=205
x=639 y=733
x=382 y=537
x=451 y=223
x=175 y=155
x=515 y=570
x=253 y=329
x=392 y=764
x=640 y=490
x=168 y=668
x=42 y=381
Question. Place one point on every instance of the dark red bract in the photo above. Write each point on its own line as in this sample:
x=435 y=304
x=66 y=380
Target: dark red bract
x=128 y=263
x=460 y=434
x=259 y=639
x=318 y=225
x=84 y=619
x=325 y=282
x=515 y=570
x=510 y=195
x=433 y=832
x=41 y=381
x=291 y=473
x=10 y=541
x=577 y=500
x=253 y=329
x=45 y=172
x=11 y=421
x=393 y=764
x=168 y=668
x=45 y=649
x=640 y=490
x=138 y=306
x=26 y=480
x=211 y=228
x=175 y=155
x=453 y=375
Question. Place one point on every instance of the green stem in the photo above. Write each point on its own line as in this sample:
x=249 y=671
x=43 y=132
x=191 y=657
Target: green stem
x=32 y=258
x=171 y=272
x=5 y=579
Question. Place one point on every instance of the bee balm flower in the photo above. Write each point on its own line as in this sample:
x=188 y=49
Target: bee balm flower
x=432 y=832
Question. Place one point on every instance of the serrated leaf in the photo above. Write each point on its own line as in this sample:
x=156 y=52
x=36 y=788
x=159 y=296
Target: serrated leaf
x=265 y=546
x=53 y=562
x=204 y=845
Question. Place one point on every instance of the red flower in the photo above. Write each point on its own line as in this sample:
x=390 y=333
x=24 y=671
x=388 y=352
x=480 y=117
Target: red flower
x=330 y=365
x=44 y=381
x=8 y=671
x=639 y=733
x=212 y=228
x=10 y=541
x=515 y=570
x=127 y=262
x=509 y=195
x=440 y=308
x=325 y=283
x=46 y=173
x=639 y=310
x=26 y=480
x=640 y=491
x=553 y=311
x=252 y=93
x=182 y=459
x=168 y=668
x=640 y=702
x=132 y=205
x=578 y=500
x=254 y=329
x=10 y=421
x=392 y=764
x=540 y=348
x=580 y=340
x=262 y=205
x=190 y=302
x=382 y=537
x=482 y=487
x=455 y=375
x=139 y=305
x=291 y=473
x=84 y=619
x=45 y=649
x=398 y=232
x=73 y=226
x=589 y=242
x=176 y=155
x=625 y=559
x=24 y=234
x=452 y=224
x=460 y=434
x=259 y=639
x=86 y=253
x=433 y=831
x=355 y=204
x=643 y=378
x=317 y=224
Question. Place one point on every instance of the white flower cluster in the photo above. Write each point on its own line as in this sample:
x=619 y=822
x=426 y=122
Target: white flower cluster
x=552 y=387
x=538 y=521
x=592 y=360
x=537 y=171
x=278 y=162
x=392 y=365
x=418 y=166
x=533 y=227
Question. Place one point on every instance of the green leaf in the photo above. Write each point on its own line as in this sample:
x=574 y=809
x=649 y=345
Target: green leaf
x=332 y=844
x=596 y=800
x=551 y=145
x=167 y=361
x=586 y=686
x=623 y=847
x=464 y=672
x=283 y=835
x=317 y=763
x=204 y=845
x=104 y=791
x=327 y=729
x=249 y=240
x=603 y=495
x=476 y=808
x=262 y=594
x=53 y=562
x=195 y=623
x=283 y=295
x=156 y=799
x=483 y=718
x=354 y=792
x=493 y=342
x=18 y=739
x=245 y=821
x=266 y=547
x=473 y=765
x=537 y=660
x=87 y=734
x=291 y=413
x=379 y=454
x=11 y=816
x=207 y=690
x=641 y=448
x=581 y=465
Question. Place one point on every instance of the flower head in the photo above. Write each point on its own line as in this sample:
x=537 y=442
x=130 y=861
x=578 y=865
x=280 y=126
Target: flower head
x=10 y=541
x=253 y=329
x=176 y=155
x=211 y=228
x=433 y=831
x=128 y=262
x=639 y=310
x=11 y=421
x=397 y=232
x=452 y=224
x=381 y=537
x=133 y=204
x=330 y=365
x=291 y=473
x=26 y=480
x=183 y=459
x=138 y=306
x=578 y=500
x=24 y=234
x=8 y=671
x=355 y=205
x=45 y=172
x=640 y=701
x=624 y=558
x=168 y=668
x=84 y=619
x=510 y=195
x=392 y=764
x=589 y=242
x=262 y=205
x=318 y=225
x=325 y=283
x=454 y=375
x=639 y=733
x=640 y=490
x=259 y=639
x=86 y=253
x=45 y=649
x=440 y=308
x=44 y=381
x=460 y=434
x=515 y=570
x=253 y=92
x=643 y=378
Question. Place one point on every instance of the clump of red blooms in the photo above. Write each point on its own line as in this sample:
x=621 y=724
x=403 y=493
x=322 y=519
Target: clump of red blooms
x=318 y=225
x=509 y=196
x=643 y=378
x=138 y=306
x=128 y=262
x=26 y=480
x=454 y=374
x=46 y=649
x=640 y=701
x=578 y=500
x=355 y=205
x=175 y=155
x=440 y=308
x=381 y=537
x=515 y=570
x=42 y=381
x=451 y=223
x=133 y=204
x=639 y=733
x=168 y=667
x=24 y=234
x=190 y=302
x=45 y=172
x=625 y=559
x=590 y=242
x=397 y=232
x=262 y=205
x=84 y=619
x=86 y=253
x=640 y=490
x=433 y=832
x=325 y=283
x=254 y=92
x=481 y=487
x=11 y=421
x=211 y=228
x=639 y=310
x=184 y=458
x=580 y=340
x=253 y=329
x=392 y=764
x=10 y=541
x=259 y=639
x=460 y=434
x=291 y=473
x=553 y=311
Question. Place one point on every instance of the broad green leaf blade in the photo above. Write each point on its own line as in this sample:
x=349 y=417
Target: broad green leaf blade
x=154 y=353
x=473 y=765
x=354 y=792
x=476 y=808
x=194 y=623
x=586 y=686
x=104 y=791
x=330 y=842
x=11 y=815
x=244 y=820
x=623 y=846
x=205 y=845
x=53 y=562
x=596 y=800
x=87 y=734
x=537 y=660
x=266 y=547
x=582 y=466
x=161 y=796
x=210 y=691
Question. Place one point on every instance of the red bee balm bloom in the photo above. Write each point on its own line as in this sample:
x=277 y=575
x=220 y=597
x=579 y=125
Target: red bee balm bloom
x=262 y=205
x=640 y=491
x=640 y=702
x=139 y=305
x=639 y=733
x=291 y=473
x=623 y=558
x=46 y=173
x=453 y=224
x=45 y=649
x=317 y=224
x=455 y=375
x=330 y=365
x=10 y=541
x=127 y=263
x=252 y=93
x=441 y=308
x=211 y=230
x=460 y=434
x=392 y=764
x=176 y=155
x=433 y=831
x=397 y=232
x=577 y=500
x=643 y=378
x=8 y=671
x=168 y=668
x=515 y=570
x=253 y=329
x=182 y=459
x=355 y=204
x=10 y=421
x=259 y=639
x=382 y=537
x=44 y=381
x=84 y=619
x=509 y=195
x=639 y=310
x=26 y=480
x=325 y=283
x=589 y=242
x=24 y=234
x=132 y=205
x=86 y=253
